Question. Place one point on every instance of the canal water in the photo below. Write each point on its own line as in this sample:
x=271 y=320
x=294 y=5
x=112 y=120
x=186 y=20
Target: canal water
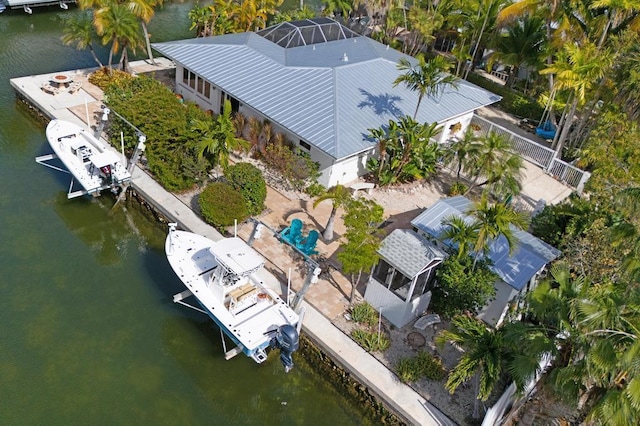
x=88 y=331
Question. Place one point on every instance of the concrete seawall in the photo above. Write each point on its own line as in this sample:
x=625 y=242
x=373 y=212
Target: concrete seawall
x=407 y=404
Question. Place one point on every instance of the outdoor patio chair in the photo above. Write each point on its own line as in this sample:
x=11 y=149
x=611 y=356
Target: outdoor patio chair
x=308 y=244
x=75 y=86
x=292 y=233
x=423 y=322
x=50 y=89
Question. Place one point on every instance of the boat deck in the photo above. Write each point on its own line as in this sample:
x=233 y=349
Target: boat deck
x=247 y=310
x=85 y=156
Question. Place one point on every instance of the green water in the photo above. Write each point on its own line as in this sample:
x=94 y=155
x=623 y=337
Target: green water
x=88 y=331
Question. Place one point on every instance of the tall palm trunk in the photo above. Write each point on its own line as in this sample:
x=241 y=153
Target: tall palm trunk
x=327 y=234
x=148 y=43
x=566 y=127
x=95 y=57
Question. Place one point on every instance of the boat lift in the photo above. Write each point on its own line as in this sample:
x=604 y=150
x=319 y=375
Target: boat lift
x=137 y=153
x=296 y=303
x=27 y=5
x=45 y=159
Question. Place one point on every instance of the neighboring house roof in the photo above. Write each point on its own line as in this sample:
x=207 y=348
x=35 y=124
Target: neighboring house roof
x=328 y=93
x=409 y=252
x=516 y=270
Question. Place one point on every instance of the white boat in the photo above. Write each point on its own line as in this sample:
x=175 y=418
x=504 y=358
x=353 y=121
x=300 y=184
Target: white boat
x=224 y=277
x=92 y=164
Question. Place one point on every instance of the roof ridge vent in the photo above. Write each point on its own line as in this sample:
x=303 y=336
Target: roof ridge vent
x=345 y=58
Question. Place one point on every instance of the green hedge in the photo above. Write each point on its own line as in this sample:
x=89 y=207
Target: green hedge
x=248 y=180
x=221 y=205
x=155 y=110
x=512 y=101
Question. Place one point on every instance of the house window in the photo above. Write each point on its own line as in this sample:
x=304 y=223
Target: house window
x=400 y=285
x=185 y=76
x=207 y=89
x=382 y=272
x=200 y=85
x=305 y=145
x=192 y=80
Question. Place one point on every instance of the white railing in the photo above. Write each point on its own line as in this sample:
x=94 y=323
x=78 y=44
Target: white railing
x=537 y=154
x=501 y=75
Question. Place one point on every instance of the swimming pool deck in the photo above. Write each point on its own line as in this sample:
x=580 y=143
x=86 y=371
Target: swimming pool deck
x=85 y=105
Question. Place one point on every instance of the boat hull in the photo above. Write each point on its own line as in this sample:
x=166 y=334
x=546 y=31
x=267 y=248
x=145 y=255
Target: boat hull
x=240 y=304
x=92 y=164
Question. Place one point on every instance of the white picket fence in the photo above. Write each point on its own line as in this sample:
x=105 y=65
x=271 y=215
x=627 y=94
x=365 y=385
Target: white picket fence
x=537 y=154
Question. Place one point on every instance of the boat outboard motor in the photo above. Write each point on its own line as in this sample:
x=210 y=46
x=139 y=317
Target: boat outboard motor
x=287 y=340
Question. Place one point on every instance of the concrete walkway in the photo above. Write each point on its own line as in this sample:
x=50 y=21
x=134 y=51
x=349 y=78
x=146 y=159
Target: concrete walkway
x=329 y=293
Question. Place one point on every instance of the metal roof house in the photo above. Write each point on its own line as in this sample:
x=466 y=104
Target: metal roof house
x=517 y=272
x=399 y=285
x=317 y=82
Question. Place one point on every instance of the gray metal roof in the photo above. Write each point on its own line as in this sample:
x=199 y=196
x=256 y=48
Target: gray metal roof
x=329 y=94
x=516 y=270
x=409 y=252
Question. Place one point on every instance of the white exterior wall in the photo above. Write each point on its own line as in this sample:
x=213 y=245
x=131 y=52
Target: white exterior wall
x=332 y=171
x=446 y=133
x=346 y=170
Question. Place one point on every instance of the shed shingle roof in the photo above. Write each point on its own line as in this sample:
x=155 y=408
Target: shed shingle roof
x=409 y=252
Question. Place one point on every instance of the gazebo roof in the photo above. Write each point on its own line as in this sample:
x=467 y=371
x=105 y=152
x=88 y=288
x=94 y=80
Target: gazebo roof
x=409 y=252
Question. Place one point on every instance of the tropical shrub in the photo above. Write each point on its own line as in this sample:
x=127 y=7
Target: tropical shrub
x=364 y=313
x=104 y=76
x=406 y=152
x=559 y=223
x=248 y=180
x=171 y=154
x=221 y=204
x=315 y=190
x=296 y=168
x=461 y=287
x=423 y=365
x=458 y=188
x=371 y=341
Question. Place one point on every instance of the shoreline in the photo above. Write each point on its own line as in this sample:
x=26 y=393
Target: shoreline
x=406 y=404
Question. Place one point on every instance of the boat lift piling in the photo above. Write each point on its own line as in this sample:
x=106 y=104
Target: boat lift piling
x=313 y=269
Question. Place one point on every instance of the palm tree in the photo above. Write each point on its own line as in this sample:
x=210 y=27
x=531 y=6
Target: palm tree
x=428 y=78
x=488 y=353
x=578 y=69
x=596 y=346
x=340 y=197
x=217 y=137
x=461 y=150
x=493 y=221
x=522 y=44
x=461 y=233
x=144 y=10
x=116 y=24
x=79 y=30
x=494 y=159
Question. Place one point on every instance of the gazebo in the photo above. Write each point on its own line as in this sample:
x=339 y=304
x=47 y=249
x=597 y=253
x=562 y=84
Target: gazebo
x=399 y=287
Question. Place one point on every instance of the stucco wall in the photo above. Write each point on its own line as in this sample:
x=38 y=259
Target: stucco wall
x=447 y=132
